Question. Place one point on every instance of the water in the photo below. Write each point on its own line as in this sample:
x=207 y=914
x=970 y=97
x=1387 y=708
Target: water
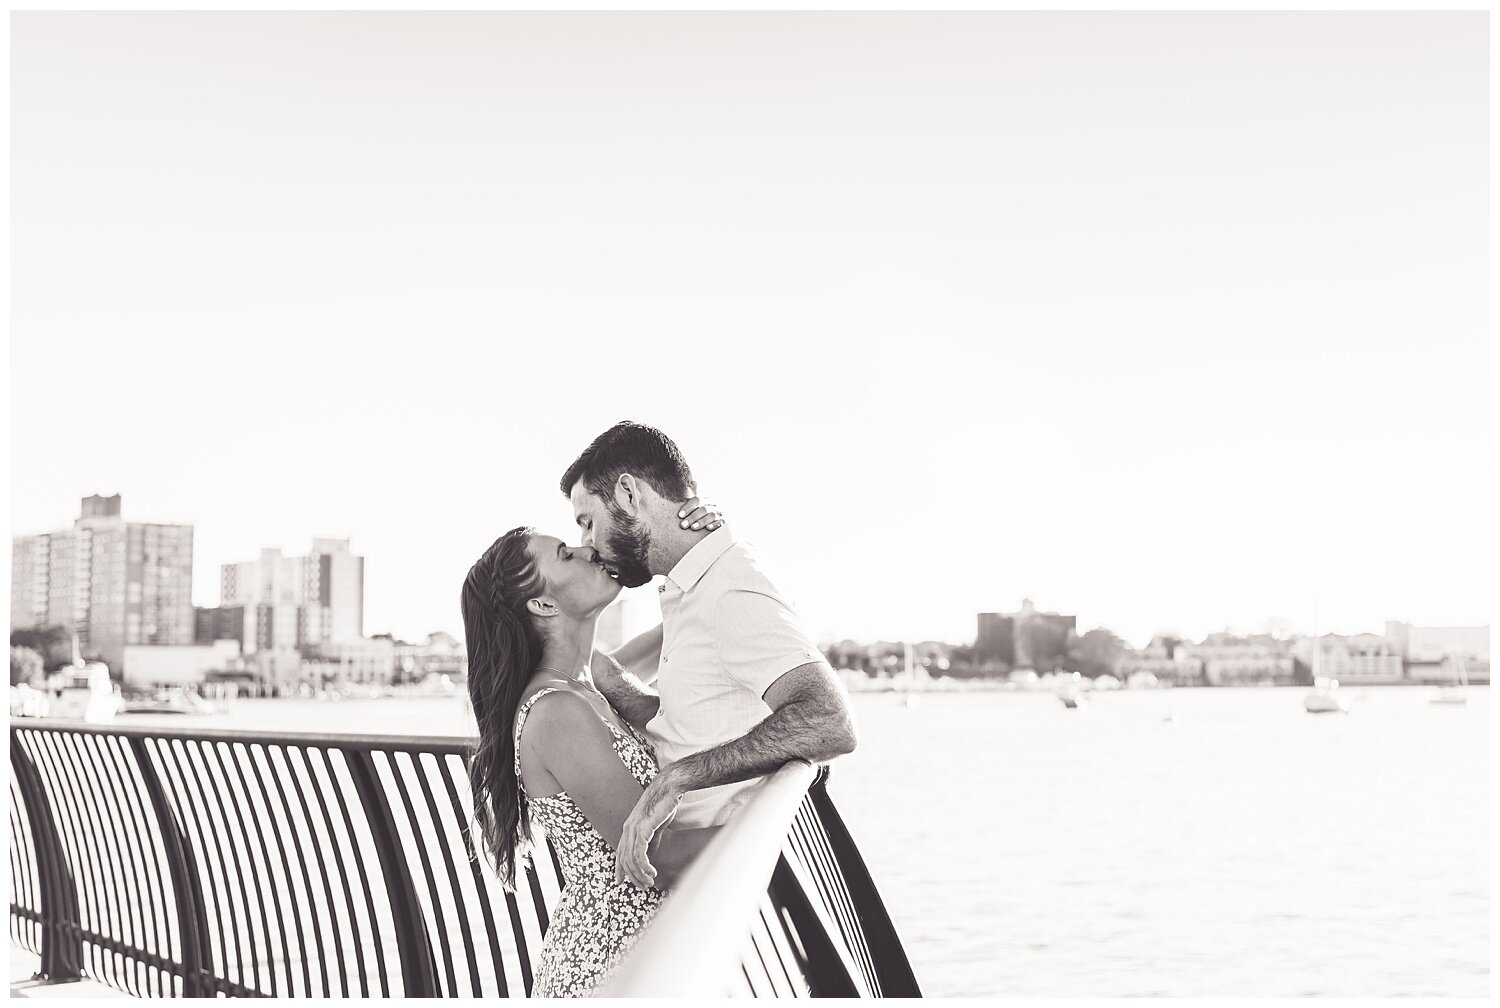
x=1245 y=848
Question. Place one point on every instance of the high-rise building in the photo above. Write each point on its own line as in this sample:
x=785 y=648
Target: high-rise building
x=305 y=602
x=995 y=645
x=114 y=583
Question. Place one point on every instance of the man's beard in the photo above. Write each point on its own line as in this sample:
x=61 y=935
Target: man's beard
x=628 y=543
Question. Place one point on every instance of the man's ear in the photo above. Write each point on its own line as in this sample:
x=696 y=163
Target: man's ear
x=628 y=494
x=541 y=607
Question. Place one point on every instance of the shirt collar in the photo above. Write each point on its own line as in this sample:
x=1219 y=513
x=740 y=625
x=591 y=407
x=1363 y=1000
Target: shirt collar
x=696 y=561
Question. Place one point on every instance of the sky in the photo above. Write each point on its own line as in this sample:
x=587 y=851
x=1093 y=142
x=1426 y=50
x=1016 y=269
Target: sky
x=1176 y=322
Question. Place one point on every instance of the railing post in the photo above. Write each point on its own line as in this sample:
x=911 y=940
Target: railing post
x=62 y=942
x=826 y=966
x=886 y=951
x=192 y=916
x=418 y=968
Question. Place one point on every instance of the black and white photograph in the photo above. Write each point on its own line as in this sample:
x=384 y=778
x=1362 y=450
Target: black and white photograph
x=717 y=504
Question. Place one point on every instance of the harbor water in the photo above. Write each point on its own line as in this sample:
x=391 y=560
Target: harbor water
x=1183 y=842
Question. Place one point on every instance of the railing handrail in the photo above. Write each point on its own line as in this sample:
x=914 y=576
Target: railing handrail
x=455 y=744
x=695 y=939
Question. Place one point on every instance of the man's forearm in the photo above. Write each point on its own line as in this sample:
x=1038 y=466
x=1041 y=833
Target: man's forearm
x=625 y=693
x=801 y=730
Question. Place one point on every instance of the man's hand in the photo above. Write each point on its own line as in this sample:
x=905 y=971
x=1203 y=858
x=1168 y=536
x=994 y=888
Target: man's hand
x=656 y=807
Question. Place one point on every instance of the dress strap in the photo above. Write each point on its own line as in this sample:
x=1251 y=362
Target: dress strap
x=521 y=720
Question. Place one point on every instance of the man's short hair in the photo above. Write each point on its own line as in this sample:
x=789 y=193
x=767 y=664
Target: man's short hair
x=627 y=447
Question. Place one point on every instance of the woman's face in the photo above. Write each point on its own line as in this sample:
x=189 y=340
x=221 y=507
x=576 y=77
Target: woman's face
x=576 y=581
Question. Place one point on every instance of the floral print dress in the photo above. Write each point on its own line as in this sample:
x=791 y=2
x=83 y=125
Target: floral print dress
x=597 y=918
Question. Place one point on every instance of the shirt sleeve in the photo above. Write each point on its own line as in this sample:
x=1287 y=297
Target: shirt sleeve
x=759 y=639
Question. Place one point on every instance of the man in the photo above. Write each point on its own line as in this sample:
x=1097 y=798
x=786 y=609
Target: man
x=741 y=689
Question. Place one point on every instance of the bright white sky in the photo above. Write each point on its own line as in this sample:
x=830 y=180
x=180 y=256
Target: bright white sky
x=1169 y=321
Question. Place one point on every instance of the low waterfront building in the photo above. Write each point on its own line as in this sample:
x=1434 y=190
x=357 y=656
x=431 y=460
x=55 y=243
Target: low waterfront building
x=1166 y=659
x=1441 y=654
x=365 y=662
x=441 y=654
x=1253 y=660
x=1357 y=660
x=152 y=666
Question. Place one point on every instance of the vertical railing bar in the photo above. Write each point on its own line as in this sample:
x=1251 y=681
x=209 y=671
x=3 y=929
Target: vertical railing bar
x=777 y=948
x=820 y=862
x=76 y=850
x=59 y=932
x=21 y=869
x=538 y=900
x=187 y=887
x=285 y=876
x=27 y=843
x=518 y=931
x=359 y=864
x=460 y=907
x=207 y=791
x=418 y=971
x=129 y=826
x=271 y=875
x=760 y=952
x=112 y=755
x=232 y=798
x=110 y=810
x=323 y=871
x=178 y=782
x=130 y=798
x=19 y=862
x=445 y=769
x=228 y=757
x=437 y=904
x=894 y=972
x=828 y=973
x=312 y=909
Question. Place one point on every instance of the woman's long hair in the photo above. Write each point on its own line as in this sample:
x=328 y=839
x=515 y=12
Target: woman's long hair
x=504 y=649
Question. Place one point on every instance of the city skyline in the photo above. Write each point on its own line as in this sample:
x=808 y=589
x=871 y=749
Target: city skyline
x=633 y=617
x=952 y=312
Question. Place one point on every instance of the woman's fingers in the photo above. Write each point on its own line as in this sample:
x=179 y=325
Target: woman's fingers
x=694 y=515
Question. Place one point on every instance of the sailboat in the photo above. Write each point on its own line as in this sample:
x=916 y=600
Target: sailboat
x=1455 y=693
x=916 y=679
x=1324 y=699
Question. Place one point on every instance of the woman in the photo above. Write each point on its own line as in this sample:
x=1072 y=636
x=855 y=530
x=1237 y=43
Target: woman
x=551 y=747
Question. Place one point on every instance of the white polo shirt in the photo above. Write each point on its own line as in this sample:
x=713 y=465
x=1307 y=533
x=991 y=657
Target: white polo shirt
x=727 y=635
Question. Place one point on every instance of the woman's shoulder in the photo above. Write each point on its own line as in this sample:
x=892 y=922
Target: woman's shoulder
x=556 y=708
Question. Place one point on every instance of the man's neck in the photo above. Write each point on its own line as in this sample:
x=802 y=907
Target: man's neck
x=670 y=544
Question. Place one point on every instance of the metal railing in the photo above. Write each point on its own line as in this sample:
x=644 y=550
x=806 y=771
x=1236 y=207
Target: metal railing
x=205 y=863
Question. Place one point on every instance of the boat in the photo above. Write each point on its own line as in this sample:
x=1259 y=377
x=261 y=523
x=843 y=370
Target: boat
x=1325 y=698
x=1070 y=691
x=1455 y=694
x=84 y=693
x=174 y=700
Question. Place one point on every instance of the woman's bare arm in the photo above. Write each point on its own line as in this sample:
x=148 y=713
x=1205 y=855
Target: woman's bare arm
x=576 y=750
x=641 y=655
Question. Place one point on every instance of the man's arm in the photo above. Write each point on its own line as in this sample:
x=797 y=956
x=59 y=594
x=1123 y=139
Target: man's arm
x=810 y=720
x=625 y=693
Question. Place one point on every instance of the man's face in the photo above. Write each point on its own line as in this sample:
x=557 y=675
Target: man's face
x=620 y=540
